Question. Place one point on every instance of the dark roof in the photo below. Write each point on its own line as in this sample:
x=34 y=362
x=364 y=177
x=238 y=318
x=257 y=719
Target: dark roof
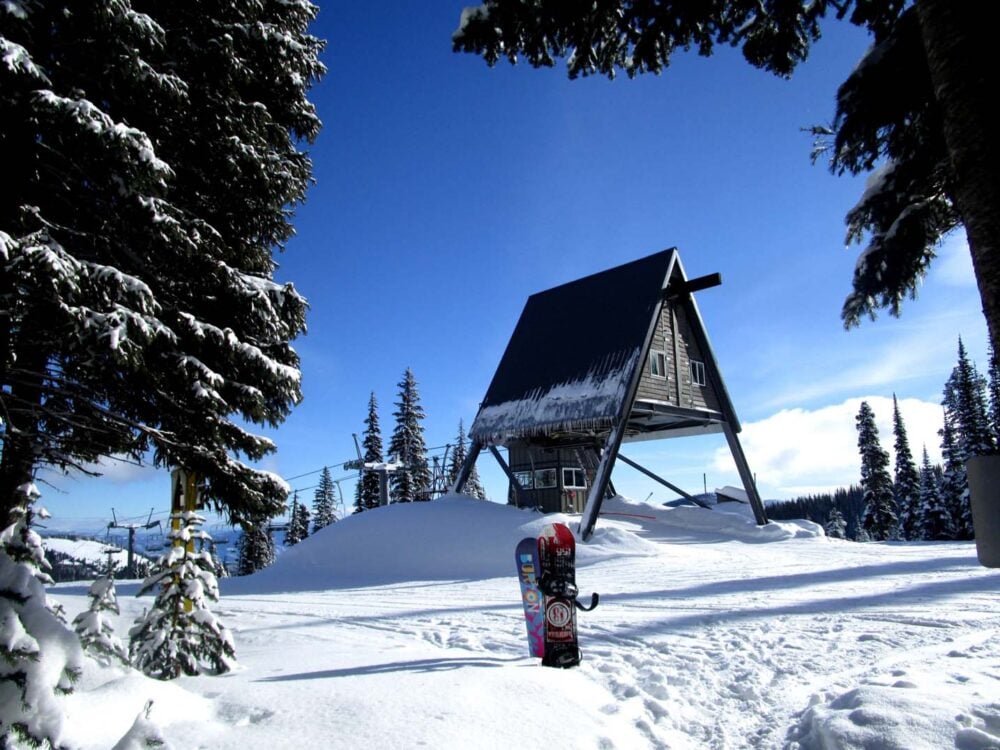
x=573 y=353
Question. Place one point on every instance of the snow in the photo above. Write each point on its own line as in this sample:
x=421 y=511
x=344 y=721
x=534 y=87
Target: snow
x=402 y=627
x=595 y=398
x=95 y=553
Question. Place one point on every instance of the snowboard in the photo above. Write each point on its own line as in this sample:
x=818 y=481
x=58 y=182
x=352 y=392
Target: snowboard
x=557 y=583
x=526 y=558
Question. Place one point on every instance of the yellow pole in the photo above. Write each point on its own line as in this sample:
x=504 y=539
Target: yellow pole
x=184 y=498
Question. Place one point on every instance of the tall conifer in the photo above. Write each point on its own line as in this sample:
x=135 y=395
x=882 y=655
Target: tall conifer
x=935 y=519
x=881 y=520
x=256 y=547
x=906 y=484
x=407 y=444
x=367 y=496
x=324 y=502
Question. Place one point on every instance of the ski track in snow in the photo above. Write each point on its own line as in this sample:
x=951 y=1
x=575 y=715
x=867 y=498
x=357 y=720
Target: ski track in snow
x=717 y=644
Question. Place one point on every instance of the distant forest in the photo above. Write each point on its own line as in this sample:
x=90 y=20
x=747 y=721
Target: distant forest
x=911 y=500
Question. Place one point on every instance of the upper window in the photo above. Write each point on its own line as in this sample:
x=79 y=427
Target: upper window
x=657 y=363
x=545 y=478
x=574 y=479
x=698 y=372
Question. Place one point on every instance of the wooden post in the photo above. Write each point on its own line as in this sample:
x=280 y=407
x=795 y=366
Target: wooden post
x=518 y=490
x=601 y=478
x=745 y=476
x=470 y=460
x=661 y=480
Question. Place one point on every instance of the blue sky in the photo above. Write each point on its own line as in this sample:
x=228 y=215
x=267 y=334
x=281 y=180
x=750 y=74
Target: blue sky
x=447 y=192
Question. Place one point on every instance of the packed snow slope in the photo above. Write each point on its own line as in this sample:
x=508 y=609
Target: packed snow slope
x=402 y=628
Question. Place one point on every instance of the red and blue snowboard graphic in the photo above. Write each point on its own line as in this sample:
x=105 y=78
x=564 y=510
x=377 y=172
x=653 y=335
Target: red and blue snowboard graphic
x=526 y=558
x=546 y=569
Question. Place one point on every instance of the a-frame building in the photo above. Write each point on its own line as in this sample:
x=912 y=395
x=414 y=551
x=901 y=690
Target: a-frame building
x=611 y=358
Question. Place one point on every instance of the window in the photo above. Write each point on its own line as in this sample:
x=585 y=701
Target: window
x=698 y=372
x=545 y=478
x=523 y=478
x=657 y=363
x=574 y=479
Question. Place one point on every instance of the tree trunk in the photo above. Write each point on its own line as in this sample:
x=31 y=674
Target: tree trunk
x=966 y=79
x=20 y=454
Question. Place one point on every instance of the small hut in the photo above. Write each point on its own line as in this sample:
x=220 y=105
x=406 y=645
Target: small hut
x=615 y=357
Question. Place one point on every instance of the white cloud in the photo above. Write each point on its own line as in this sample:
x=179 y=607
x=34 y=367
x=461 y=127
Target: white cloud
x=800 y=451
x=953 y=265
x=122 y=471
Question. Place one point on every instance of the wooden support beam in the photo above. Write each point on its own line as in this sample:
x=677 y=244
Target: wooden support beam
x=470 y=460
x=693 y=285
x=601 y=479
x=662 y=481
x=745 y=476
x=518 y=491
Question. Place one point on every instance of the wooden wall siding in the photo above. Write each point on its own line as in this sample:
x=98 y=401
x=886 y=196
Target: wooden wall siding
x=660 y=389
x=692 y=396
x=677 y=388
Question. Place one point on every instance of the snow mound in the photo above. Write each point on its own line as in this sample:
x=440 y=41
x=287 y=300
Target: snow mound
x=906 y=710
x=720 y=522
x=452 y=538
x=458 y=538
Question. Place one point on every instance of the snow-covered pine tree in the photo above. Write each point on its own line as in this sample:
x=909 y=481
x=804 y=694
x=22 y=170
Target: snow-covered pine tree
x=180 y=634
x=966 y=403
x=324 y=502
x=407 y=444
x=906 y=482
x=40 y=658
x=94 y=627
x=935 y=517
x=367 y=494
x=256 y=548
x=836 y=526
x=955 y=482
x=298 y=523
x=880 y=519
x=151 y=161
x=473 y=485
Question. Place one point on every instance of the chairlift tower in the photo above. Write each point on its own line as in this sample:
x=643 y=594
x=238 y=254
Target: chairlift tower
x=131 y=528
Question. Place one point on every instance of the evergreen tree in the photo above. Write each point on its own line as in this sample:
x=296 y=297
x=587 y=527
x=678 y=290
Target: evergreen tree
x=935 y=518
x=917 y=104
x=367 y=490
x=965 y=403
x=30 y=685
x=151 y=161
x=473 y=485
x=324 y=502
x=407 y=444
x=179 y=634
x=298 y=523
x=955 y=483
x=880 y=520
x=906 y=483
x=95 y=629
x=256 y=548
x=835 y=525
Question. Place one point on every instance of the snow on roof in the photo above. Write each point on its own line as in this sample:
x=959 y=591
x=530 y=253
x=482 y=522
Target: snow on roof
x=733 y=493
